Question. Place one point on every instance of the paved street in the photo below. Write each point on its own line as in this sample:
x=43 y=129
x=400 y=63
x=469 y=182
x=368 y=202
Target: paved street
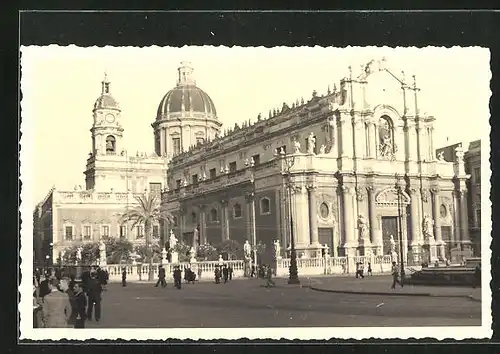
x=246 y=303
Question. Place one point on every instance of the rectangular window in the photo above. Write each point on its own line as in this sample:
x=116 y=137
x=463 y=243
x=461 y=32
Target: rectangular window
x=232 y=166
x=478 y=217
x=194 y=178
x=178 y=184
x=105 y=231
x=200 y=141
x=156 y=231
x=139 y=231
x=68 y=232
x=176 y=143
x=123 y=231
x=477 y=175
x=213 y=173
x=256 y=159
x=155 y=188
x=87 y=232
x=280 y=149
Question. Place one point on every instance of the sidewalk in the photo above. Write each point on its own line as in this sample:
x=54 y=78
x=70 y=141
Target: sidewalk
x=381 y=285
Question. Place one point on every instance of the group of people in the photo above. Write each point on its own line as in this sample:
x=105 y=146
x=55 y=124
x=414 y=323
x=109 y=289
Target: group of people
x=61 y=302
x=189 y=277
x=360 y=270
x=224 y=272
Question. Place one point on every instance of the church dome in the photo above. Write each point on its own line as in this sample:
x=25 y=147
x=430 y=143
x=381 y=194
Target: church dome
x=105 y=100
x=185 y=98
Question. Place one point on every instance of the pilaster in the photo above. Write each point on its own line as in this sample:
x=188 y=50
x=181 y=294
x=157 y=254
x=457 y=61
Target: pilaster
x=348 y=212
x=313 y=215
x=375 y=235
x=302 y=213
x=437 y=222
x=464 y=221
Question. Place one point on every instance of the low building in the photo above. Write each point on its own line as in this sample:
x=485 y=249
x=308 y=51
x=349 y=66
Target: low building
x=331 y=164
x=113 y=178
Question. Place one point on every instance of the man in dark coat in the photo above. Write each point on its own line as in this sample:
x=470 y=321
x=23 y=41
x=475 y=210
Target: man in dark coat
x=230 y=271
x=124 y=277
x=177 y=277
x=161 y=277
x=80 y=304
x=94 y=290
x=225 y=273
x=217 y=274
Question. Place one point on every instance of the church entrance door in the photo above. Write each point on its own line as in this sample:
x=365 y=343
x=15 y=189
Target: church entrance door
x=389 y=227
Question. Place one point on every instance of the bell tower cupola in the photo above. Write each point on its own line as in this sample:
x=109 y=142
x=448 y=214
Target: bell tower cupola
x=107 y=132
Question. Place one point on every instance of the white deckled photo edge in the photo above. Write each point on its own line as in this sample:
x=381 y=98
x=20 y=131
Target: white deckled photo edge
x=270 y=192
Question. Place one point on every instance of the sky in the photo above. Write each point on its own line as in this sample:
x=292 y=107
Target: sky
x=60 y=85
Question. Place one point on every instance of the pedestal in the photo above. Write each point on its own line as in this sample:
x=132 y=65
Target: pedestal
x=164 y=256
x=416 y=253
x=433 y=251
x=174 y=258
x=314 y=251
x=394 y=257
x=102 y=262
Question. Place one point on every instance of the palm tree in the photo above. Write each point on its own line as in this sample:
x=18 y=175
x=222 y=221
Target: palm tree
x=146 y=213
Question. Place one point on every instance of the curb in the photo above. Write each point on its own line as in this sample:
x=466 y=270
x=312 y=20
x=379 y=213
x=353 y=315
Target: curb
x=469 y=297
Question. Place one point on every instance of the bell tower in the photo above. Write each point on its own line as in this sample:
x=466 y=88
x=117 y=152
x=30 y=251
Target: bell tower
x=107 y=132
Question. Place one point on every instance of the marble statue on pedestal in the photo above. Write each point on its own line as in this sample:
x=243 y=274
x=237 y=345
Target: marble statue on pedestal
x=172 y=241
x=363 y=228
x=79 y=254
x=427 y=228
x=192 y=255
x=322 y=149
x=296 y=147
x=277 y=249
x=195 y=236
x=247 y=249
x=311 y=143
x=163 y=256
x=102 y=253
x=394 y=255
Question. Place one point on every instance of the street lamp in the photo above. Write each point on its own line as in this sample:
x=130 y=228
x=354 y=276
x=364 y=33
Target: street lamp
x=252 y=206
x=293 y=277
x=400 y=233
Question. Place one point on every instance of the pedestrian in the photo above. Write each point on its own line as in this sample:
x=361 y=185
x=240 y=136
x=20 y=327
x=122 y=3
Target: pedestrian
x=199 y=273
x=56 y=308
x=395 y=276
x=161 y=277
x=359 y=270
x=124 y=277
x=80 y=305
x=217 y=274
x=252 y=274
x=269 y=277
x=94 y=291
x=225 y=273
x=369 y=272
x=230 y=271
x=477 y=277
x=177 y=277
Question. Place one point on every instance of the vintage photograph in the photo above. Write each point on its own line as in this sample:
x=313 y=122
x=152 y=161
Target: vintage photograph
x=279 y=192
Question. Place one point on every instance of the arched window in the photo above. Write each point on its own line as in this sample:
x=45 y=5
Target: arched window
x=265 y=206
x=110 y=144
x=213 y=215
x=236 y=211
x=386 y=136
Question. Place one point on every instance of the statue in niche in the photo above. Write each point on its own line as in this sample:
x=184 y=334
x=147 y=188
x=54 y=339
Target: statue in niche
x=427 y=227
x=322 y=149
x=296 y=146
x=362 y=227
x=386 y=146
x=311 y=143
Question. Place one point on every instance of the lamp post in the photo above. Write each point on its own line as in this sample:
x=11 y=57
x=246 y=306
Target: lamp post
x=400 y=233
x=293 y=277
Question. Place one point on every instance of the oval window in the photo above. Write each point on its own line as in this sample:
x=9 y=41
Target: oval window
x=324 y=211
x=443 y=211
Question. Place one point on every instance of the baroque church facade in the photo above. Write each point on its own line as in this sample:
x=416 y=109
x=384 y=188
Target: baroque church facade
x=354 y=168
x=113 y=178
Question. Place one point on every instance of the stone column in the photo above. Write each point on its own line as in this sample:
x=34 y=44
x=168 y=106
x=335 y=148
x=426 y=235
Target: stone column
x=301 y=217
x=348 y=213
x=203 y=224
x=437 y=222
x=416 y=239
x=313 y=216
x=399 y=140
x=224 y=221
x=372 y=140
x=346 y=140
x=411 y=138
x=464 y=220
x=359 y=135
x=375 y=235
x=161 y=135
x=248 y=216
x=293 y=215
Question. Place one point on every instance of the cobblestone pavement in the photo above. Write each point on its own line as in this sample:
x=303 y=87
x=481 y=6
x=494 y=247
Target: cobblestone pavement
x=247 y=303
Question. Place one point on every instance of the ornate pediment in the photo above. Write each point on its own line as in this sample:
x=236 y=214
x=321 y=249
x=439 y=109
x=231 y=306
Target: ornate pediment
x=389 y=196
